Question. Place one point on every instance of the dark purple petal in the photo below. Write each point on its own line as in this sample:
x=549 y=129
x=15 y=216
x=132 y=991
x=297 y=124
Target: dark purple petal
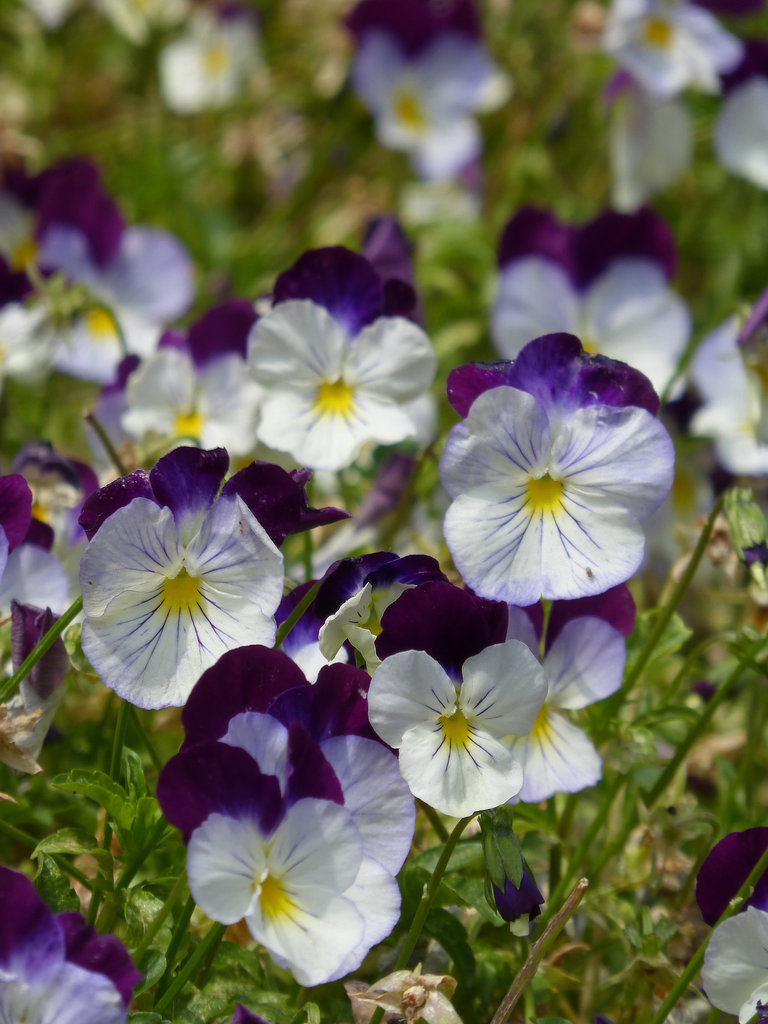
x=344 y=578
x=243 y=1016
x=612 y=236
x=278 y=499
x=388 y=250
x=14 y=284
x=616 y=85
x=336 y=705
x=15 y=508
x=757 y=555
x=753 y=64
x=174 y=339
x=387 y=490
x=725 y=870
x=28 y=626
x=29 y=936
x=188 y=479
x=71 y=193
x=759 y=313
x=103 y=954
x=534 y=232
x=39 y=534
x=731 y=8
x=616 y=607
x=308 y=774
x=102 y=503
x=514 y=902
x=448 y=623
x=399 y=299
x=21 y=185
x=307 y=629
x=244 y=679
x=222 y=329
x=557 y=372
x=342 y=281
x=215 y=777
x=414 y=24
x=600 y=1019
x=124 y=371
x=412 y=570
x=466 y=382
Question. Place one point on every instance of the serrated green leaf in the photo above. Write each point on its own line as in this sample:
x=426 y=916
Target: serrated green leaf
x=53 y=886
x=98 y=786
x=66 y=840
x=140 y=909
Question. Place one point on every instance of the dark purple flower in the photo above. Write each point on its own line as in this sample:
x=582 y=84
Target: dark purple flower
x=28 y=626
x=14 y=284
x=731 y=8
x=389 y=252
x=222 y=329
x=380 y=569
x=516 y=902
x=243 y=1016
x=725 y=870
x=753 y=64
x=414 y=24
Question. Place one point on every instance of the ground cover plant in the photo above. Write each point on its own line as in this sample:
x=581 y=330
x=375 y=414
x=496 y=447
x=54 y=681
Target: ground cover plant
x=383 y=551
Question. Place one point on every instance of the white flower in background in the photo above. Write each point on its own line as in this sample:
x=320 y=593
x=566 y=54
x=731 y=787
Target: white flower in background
x=207 y=66
x=27 y=343
x=51 y=13
x=667 y=45
x=741 y=128
x=735 y=970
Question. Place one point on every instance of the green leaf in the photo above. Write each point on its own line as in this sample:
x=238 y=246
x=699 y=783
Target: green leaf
x=468 y=853
x=471 y=893
x=152 y=968
x=102 y=789
x=53 y=886
x=67 y=840
x=452 y=936
x=675 y=634
x=133 y=773
x=141 y=908
x=147 y=1018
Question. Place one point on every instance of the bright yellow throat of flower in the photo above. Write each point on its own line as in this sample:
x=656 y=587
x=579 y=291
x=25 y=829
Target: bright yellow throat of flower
x=658 y=33
x=182 y=593
x=544 y=494
x=274 y=900
x=189 y=424
x=408 y=110
x=335 y=398
x=216 y=61
x=100 y=325
x=456 y=728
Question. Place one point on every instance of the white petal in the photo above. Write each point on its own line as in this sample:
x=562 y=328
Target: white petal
x=263 y=737
x=504 y=687
x=34 y=576
x=69 y=995
x=376 y=896
x=741 y=131
x=585 y=663
x=290 y=423
x=391 y=358
x=408 y=688
x=299 y=342
x=735 y=970
x=535 y=296
x=225 y=858
x=159 y=390
x=557 y=757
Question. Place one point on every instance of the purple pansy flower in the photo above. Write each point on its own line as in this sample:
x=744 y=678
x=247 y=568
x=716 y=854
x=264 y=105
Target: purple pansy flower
x=558 y=462
x=607 y=282
x=55 y=967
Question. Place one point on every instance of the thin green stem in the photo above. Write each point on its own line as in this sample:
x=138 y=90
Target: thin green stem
x=115 y=762
x=9 y=687
x=694 y=964
x=106 y=441
x=179 y=934
x=417 y=924
x=539 y=950
x=206 y=946
x=293 y=618
x=435 y=820
x=157 y=761
x=159 y=919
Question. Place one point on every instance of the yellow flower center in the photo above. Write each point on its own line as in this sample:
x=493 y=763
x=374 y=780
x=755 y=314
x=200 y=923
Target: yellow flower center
x=216 y=60
x=181 y=593
x=544 y=494
x=408 y=110
x=335 y=398
x=23 y=254
x=188 y=424
x=100 y=324
x=456 y=728
x=658 y=33
x=541 y=728
x=273 y=899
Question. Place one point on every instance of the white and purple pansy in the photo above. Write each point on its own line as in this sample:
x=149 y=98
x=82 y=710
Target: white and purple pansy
x=423 y=72
x=668 y=45
x=355 y=592
x=338 y=368
x=450 y=696
x=55 y=968
x=15 y=514
x=583 y=659
x=196 y=386
x=33 y=573
x=180 y=569
x=294 y=820
x=735 y=969
x=557 y=463
x=741 y=128
x=607 y=282
x=302 y=642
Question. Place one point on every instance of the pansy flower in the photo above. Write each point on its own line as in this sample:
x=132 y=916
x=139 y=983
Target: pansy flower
x=175 y=575
x=741 y=127
x=338 y=369
x=207 y=65
x=55 y=967
x=557 y=463
x=197 y=386
x=606 y=282
x=423 y=71
x=450 y=696
x=294 y=820
x=583 y=660
x=670 y=44
x=302 y=643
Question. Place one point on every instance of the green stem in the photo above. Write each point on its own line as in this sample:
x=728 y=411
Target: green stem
x=9 y=687
x=435 y=820
x=180 y=932
x=157 y=761
x=539 y=950
x=157 y=922
x=24 y=837
x=106 y=441
x=424 y=907
x=293 y=618
x=202 y=950
x=115 y=760
x=697 y=959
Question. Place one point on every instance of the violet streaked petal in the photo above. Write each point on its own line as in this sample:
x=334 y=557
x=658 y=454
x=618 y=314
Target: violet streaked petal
x=15 y=508
x=187 y=480
x=448 y=623
x=217 y=778
x=223 y=328
x=29 y=936
x=103 y=954
x=725 y=870
x=336 y=705
x=341 y=281
x=534 y=232
x=244 y=679
x=278 y=499
x=102 y=503
x=612 y=235
x=308 y=773
x=414 y=25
